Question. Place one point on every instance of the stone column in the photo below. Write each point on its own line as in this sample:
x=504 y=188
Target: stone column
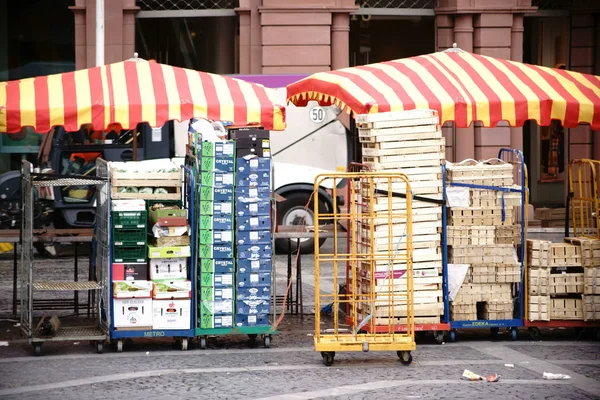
x=79 y=11
x=129 y=11
x=463 y=37
x=516 y=54
x=340 y=41
x=255 y=38
x=244 y=52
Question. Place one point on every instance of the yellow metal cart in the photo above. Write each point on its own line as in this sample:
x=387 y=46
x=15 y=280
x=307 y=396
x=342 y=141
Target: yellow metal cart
x=380 y=292
x=584 y=198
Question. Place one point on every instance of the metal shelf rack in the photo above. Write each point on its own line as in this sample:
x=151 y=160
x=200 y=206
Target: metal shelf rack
x=96 y=333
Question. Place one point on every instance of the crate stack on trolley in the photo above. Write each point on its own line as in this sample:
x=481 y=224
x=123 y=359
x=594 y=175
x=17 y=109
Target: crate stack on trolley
x=563 y=282
x=151 y=248
x=409 y=142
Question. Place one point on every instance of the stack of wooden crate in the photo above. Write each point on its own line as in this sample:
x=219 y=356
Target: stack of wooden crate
x=551 y=217
x=566 y=281
x=483 y=235
x=538 y=275
x=409 y=142
x=590 y=260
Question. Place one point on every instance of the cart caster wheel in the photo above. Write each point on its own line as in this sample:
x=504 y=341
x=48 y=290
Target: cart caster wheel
x=252 y=337
x=203 y=342
x=439 y=337
x=120 y=346
x=453 y=336
x=328 y=357
x=514 y=333
x=495 y=330
x=37 y=349
x=184 y=344
x=99 y=347
x=535 y=333
x=267 y=340
x=405 y=357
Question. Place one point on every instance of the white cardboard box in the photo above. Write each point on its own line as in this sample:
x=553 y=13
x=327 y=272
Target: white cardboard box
x=130 y=289
x=171 y=314
x=129 y=205
x=165 y=290
x=168 y=268
x=132 y=313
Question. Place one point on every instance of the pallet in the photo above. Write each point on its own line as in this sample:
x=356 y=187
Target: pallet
x=567 y=309
x=394 y=135
x=591 y=308
x=562 y=284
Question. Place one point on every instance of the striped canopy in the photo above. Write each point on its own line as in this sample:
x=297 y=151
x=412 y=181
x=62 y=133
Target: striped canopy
x=462 y=87
x=132 y=92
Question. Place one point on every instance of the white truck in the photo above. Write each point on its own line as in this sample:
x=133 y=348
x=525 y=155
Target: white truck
x=314 y=142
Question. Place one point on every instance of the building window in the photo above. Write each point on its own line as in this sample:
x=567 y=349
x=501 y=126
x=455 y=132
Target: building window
x=170 y=5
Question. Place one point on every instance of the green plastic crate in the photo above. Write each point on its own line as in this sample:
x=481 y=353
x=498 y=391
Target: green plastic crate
x=129 y=219
x=129 y=235
x=129 y=253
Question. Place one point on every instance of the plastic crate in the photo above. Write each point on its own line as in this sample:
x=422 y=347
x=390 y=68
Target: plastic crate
x=129 y=235
x=129 y=219
x=129 y=253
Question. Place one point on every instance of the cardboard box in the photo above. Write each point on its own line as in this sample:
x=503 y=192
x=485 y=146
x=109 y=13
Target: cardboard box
x=211 y=308
x=254 y=280
x=253 y=164
x=171 y=314
x=260 y=207
x=253 y=179
x=224 y=149
x=172 y=290
x=212 y=266
x=255 y=151
x=252 y=143
x=216 y=222
x=168 y=269
x=128 y=205
x=132 y=313
x=166 y=213
x=260 y=223
x=208 y=193
x=216 y=280
x=210 y=293
x=216 y=208
x=217 y=164
x=215 y=237
x=248 y=293
x=216 y=321
x=252 y=320
x=169 y=252
x=255 y=251
x=253 y=237
x=170 y=241
x=253 y=307
x=217 y=179
x=259 y=192
x=129 y=272
x=222 y=251
x=132 y=289
x=248 y=265
x=249 y=133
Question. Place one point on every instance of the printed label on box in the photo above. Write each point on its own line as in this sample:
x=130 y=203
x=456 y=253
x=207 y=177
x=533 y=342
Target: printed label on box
x=246 y=265
x=253 y=237
x=220 y=164
x=168 y=268
x=253 y=164
x=132 y=313
x=247 y=207
x=216 y=321
x=169 y=252
x=254 y=179
x=218 y=149
x=216 y=222
x=254 y=280
x=210 y=293
x=260 y=192
x=171 y=314
x=216 y=251
x=216 y=280
x=208 y=193
x=215 y=237
x=212 y=266
x=258 y=223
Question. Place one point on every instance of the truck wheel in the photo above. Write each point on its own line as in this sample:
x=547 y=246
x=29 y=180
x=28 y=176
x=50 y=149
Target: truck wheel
x=292 y=212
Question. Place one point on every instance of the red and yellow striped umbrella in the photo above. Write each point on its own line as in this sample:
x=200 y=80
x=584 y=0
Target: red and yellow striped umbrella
x=462 y=87
x=131 y=92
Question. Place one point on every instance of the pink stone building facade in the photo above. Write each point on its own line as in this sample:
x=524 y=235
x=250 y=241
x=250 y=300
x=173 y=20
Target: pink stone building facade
x=307 y=36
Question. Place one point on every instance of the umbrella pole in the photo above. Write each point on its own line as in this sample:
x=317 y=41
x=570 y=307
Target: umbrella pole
x=135 y=133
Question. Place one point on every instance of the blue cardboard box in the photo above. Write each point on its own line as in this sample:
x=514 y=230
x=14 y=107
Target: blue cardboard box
x=255 y=251
x=212 y=266
x=219 y=251
x=216 y=208
x=252 y=208
x=253 y=237
x=217 y=164
x=253 y=179
x=258 y=192
x=216 y=222
x=217 y=179
x=253 y=307
x=254 y=265
x=215 y=237
x=260 y=279
x=253 y=164
x=252 y=320
x=209 y=193
x=248 y=293
x=258 y=223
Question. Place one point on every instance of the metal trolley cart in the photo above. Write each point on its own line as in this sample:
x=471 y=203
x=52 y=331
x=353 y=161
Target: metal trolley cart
x=182 y=336
x=437 y=329
x=516 y=159
x=380 y=275
x=96 y=332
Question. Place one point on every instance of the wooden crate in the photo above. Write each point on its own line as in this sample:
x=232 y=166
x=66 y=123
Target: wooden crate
x=462 y=216
x=171 y=181
x=482 y=235
x=548 y=214
x=481 y=174
x=458 y=236
x=473 y=292
x=403 y=148
x=591 y=308
x=590 y=250
x=569 y=283
x=510 y=234
x=565 y=255
x=420 y=310
x=538 y=281
x=494 y=254
x=463 y=311
x=539 y=308
x=400 y=133
x=498 y=310
x=566 y=309
x=414 y=117
x=538 y=253
x=508 y=273
x=591 y=277
x=482 y=273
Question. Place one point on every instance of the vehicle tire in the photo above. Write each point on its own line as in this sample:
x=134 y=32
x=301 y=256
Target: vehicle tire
x=291 y=212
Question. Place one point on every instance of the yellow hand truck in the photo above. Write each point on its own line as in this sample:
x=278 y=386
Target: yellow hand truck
x=584 y=179
x=379 y=296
